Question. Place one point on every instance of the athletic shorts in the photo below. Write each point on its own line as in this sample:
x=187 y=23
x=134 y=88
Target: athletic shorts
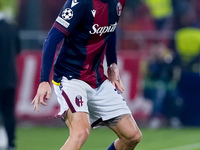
x=102 y=103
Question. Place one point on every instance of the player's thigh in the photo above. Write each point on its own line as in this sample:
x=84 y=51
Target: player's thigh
x=78 y=121
x=106 y=104
x=125 y=127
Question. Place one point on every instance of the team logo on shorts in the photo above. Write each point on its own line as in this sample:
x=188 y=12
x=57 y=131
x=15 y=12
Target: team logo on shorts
x=119 y=9
x=79 y=101
x=67 y=14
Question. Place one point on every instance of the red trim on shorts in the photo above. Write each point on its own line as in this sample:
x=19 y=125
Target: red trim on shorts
x=61 y=116
x=71 y=107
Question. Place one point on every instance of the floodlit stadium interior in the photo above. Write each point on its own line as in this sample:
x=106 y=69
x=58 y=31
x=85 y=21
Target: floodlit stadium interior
x=158 y=46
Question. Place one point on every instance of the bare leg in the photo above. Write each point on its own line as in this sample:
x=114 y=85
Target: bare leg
x=79 y=127
x=129 y=135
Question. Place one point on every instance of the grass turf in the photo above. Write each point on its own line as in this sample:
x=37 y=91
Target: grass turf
x=49 y=138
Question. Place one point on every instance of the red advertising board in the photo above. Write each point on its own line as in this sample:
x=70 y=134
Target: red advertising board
x=29 y=62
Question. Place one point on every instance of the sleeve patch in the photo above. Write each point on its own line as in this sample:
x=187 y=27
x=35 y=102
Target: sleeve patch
x=62 y=22
x=67 y=14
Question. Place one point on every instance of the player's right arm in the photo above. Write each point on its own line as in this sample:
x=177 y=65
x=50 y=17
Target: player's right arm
x=67 y=20
x=65 y=23
x=49 y=48
x=43 y=93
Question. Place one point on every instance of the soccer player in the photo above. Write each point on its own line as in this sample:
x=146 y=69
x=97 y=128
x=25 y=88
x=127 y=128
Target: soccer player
x=86 y=96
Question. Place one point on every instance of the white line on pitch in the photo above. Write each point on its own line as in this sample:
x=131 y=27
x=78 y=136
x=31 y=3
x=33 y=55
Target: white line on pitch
x=185 y=147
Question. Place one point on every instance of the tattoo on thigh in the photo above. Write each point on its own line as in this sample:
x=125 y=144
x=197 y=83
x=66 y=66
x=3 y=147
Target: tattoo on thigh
x=114 y=121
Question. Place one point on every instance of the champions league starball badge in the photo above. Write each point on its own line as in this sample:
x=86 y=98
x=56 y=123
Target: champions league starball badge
x=119 y=9
x=67 y=14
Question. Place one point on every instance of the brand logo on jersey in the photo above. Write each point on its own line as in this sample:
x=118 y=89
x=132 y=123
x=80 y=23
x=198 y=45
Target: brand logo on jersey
x=96 y=29
x=62 y=22
x=119 y=9
x=79 y=101
x=93 y=12
x=67 y=14
x=74 y=2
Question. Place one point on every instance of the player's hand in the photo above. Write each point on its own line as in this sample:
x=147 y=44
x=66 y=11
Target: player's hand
x=43 y=93
x=114 y=78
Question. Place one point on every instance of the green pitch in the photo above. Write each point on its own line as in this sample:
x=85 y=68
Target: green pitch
x=48 y=138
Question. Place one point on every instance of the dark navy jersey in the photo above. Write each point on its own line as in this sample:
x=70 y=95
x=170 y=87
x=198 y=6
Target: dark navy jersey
x=88 y=28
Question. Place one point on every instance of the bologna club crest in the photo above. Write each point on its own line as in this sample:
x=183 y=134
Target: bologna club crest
x=79 y=101
x=119 y=9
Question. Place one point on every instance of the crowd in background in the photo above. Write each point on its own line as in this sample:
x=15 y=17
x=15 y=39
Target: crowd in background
x=168 y=31
x=159 y=15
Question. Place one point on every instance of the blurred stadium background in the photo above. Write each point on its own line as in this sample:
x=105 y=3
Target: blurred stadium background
x=158 y=49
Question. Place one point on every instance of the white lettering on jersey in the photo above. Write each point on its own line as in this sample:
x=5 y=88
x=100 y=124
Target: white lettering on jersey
x=93 y=12
x=74 y=2
x=96 y=29
x=62 y=22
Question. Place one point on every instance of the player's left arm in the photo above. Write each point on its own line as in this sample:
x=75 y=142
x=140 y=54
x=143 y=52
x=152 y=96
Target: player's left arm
x=111 y=58
x=114 y=77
